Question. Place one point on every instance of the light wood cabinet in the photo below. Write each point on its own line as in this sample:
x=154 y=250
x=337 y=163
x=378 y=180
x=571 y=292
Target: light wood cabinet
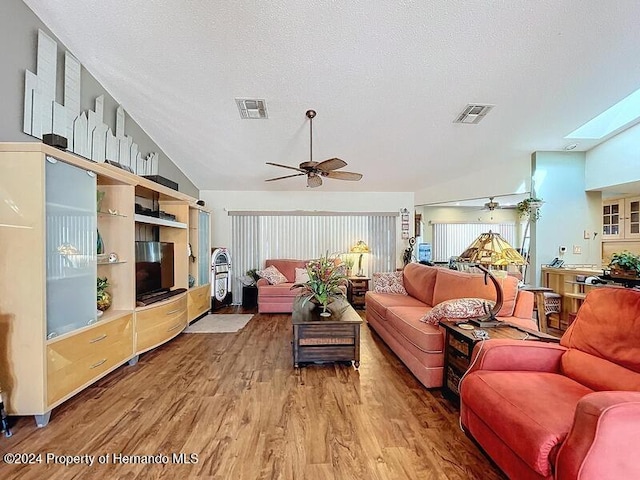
x=620 y=226
x=198 y=301
x=52 y=342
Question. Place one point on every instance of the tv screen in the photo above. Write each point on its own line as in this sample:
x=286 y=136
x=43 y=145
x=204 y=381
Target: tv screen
x=154 y=267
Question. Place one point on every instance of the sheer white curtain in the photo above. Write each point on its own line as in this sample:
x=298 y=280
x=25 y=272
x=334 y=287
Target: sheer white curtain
x=258 y=236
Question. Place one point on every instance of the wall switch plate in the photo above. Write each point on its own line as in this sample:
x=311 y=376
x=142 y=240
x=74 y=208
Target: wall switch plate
x=577 y=249
x=587 y=235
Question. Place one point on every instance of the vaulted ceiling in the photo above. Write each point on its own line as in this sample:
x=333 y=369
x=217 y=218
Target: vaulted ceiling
x=387 y=79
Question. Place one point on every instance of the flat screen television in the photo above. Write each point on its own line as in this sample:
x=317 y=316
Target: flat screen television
x=154 y=267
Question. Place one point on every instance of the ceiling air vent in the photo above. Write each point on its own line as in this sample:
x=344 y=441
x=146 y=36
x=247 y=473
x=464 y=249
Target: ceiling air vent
x=473 y=113
x=252 y=108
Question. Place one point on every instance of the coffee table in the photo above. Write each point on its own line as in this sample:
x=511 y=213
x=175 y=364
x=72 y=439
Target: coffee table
x=325 y=339
x=458 y=349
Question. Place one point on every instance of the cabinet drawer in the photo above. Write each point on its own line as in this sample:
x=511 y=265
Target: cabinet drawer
x=309 y=330
x=198 y=301
x=457 y=360
x=459 y=345
x=154 y=316
x=65 y=375
x=99 y=338
x=160 y=332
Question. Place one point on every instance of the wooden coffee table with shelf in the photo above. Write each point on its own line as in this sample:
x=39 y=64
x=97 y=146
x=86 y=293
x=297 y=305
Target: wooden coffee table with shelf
x=458 y=348
x=319 y=339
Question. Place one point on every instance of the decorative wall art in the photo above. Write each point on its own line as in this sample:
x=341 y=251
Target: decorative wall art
x=404 y=218
x=86 y=133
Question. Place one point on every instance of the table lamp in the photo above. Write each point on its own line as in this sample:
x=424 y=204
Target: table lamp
x=360 y=248
x=490 y=249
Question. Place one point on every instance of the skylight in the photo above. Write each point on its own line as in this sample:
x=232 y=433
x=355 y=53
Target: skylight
x=615 y=118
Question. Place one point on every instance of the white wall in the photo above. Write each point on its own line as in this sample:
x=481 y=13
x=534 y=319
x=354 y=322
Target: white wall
x=559 y=179
x=221 y=202
x=499 y=178
x=614 y=162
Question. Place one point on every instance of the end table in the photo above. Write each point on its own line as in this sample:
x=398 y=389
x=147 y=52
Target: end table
x=356 y=291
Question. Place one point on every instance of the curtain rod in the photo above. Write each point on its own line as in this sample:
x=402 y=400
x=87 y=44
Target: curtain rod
x=307 y=213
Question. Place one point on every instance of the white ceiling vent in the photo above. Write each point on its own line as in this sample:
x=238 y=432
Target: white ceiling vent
x=252 y=108
x=473 y=113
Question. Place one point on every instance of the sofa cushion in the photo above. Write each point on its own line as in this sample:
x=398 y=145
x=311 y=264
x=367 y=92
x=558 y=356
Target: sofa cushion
x=380 y=302
x=406 y=320
x=461 y=308
x=388 y=282
x=280 y=290
x=452 y=284
x=531 y=412
x=419 y=281
x=272 y=275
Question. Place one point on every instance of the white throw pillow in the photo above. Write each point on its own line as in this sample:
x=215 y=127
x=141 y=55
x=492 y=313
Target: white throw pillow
x=302 y=276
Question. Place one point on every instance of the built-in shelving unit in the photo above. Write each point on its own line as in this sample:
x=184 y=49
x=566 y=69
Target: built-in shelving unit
x=55 y=342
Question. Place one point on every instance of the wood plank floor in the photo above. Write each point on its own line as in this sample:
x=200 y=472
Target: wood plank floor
x=236 y=401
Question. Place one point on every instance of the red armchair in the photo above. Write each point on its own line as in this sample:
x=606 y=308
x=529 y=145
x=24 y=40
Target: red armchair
x=568 y=411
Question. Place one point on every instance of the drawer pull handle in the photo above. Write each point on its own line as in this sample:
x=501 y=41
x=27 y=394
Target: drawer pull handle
x=97 y=364
x=97 y=339
x=177 y=325
x=174 y=311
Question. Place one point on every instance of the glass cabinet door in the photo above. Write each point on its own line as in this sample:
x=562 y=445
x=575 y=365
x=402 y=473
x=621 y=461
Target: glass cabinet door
x=71 y=233
x=612 y=215
x=204 y=248
x=632 y=217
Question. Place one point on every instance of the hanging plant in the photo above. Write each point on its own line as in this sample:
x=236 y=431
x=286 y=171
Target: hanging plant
x=530 y=207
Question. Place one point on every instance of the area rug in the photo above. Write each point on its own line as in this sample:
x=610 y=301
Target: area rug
x=220 y=323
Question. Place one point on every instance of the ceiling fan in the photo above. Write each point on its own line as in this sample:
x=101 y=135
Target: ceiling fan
x=491 y=205
x=316 y=170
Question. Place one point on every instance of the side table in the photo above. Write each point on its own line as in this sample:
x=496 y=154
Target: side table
x=458 y=350
x=356 y=291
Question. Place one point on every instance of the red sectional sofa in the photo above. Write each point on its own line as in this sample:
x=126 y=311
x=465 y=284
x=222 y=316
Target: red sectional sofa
x=279 y=298
x=396 y=317
x=568 y=411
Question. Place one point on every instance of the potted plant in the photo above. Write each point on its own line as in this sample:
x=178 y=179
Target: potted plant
x=326 y=277
x=530 y=208
x=104 y=297
x=625 y=265
x=348 y=263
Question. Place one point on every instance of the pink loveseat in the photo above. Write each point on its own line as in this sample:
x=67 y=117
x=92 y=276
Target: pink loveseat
x=568 y=411
x=396 y=317
x=279 y=298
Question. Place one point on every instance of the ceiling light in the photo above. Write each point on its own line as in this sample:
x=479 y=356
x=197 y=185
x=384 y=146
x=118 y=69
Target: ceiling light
x=252 y=108
x=473 y=113
x=612 y=120
x=571 y=146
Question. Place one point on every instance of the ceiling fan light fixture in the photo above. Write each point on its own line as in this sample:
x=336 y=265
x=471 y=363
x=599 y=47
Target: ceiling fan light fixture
x=314 y=180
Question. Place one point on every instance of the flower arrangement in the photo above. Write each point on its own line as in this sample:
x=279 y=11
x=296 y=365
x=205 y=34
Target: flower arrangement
x=326 y=276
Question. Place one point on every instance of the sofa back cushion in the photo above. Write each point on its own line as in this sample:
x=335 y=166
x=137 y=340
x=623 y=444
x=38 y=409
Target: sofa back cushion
x=287 y=267
x=452 y=284
x=418 y=281
x=604 y=340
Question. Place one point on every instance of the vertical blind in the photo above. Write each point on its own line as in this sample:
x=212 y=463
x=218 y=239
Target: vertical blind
x=256 y=237
x=451 y=239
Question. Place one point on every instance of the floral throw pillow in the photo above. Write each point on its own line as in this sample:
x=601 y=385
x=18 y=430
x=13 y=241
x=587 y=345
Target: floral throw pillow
x=272 y=275
x=459 y=308
x=388 y=282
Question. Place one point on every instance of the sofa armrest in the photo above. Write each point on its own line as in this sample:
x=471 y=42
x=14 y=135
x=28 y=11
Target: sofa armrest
x=602 y=441
x=524 y=305
x=262 y=282
x=510 y=355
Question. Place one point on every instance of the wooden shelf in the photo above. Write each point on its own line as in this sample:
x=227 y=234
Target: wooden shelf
x=159 y=221
x=580 y=296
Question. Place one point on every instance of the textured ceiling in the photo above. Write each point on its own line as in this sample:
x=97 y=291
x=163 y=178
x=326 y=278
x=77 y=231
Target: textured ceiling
x=387 y=78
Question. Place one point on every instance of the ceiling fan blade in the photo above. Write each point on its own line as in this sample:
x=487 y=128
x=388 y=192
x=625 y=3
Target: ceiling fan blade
x=286 y=176
x=344 y=176
x=286 y=166
x=314 y=180
x=331 y=164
